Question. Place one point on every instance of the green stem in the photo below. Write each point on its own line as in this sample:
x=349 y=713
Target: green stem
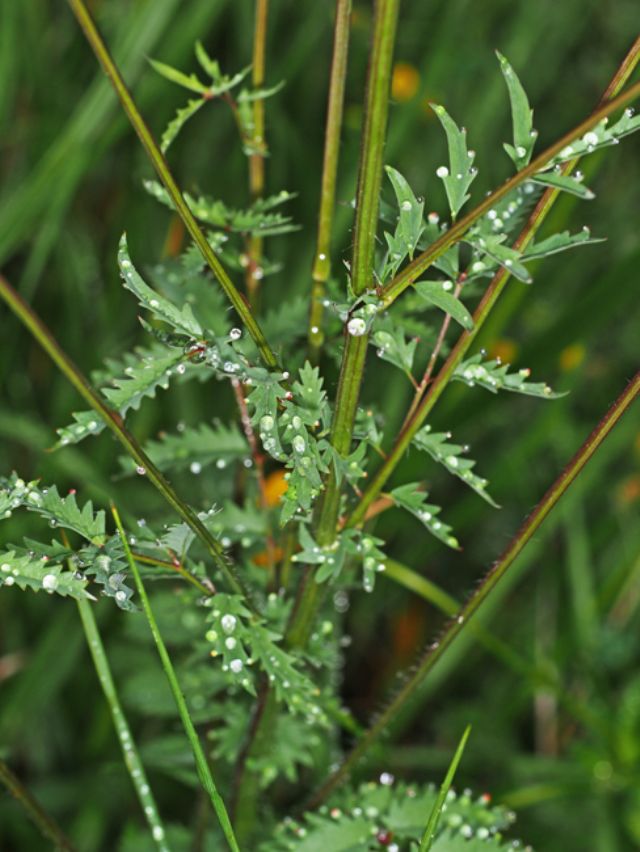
x=129 y=750
x=354 y=356
x=322 y=261
x=422 y=410
x=202 y=765
x=161 y=166
x=487 y=586
x=428 y=835
x=114 y=421
x=256 y=160
x=47 y=825
x=410 y=273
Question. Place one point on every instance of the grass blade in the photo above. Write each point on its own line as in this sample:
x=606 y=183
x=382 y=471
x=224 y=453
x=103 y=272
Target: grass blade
x=129 y=750
x=202 y=767
x=434 y=816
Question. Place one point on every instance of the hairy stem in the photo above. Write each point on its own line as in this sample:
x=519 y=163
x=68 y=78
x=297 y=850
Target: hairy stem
x=114 y=421
x=355 y=351
x=47 y=825
x=322 y=260
x=131 y=757
x=202 y=766
x=421 y=407
x=164 y=173
x=410 y=273
x=485 y=589
x=256 y=160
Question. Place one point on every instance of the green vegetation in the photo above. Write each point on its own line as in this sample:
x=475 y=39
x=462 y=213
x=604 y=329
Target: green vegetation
x=309 y=584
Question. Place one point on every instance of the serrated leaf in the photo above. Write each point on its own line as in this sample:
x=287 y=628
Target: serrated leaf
x=392 y=346
x=452 y=458
x=495 y=376
x=414 y=500
x=181 y=320
x=438 y=293
x=567 y=183
x=600 y=136
x=65 y=512
x=249 y=95
x=560 y=242
x=524 y=136
x=197 y=447
x=187 y=81
x=38 y=574
x=177 y=123
x=461 y=172
x=505 y=255
x=409 y=226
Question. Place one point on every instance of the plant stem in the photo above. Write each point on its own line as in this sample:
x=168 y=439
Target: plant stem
x=404 y=279
x=178 y=568
x=129 y=750
x=322 y=261
x=487 y=586
x=310 y=593
x=115 y=422
x=47 y=825
x=353 y=359
x=256 y=160
x=161 y=166
x=432 y=823
x=202 y=766
x=421 y=408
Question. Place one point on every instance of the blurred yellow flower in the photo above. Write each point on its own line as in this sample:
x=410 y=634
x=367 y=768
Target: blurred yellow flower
x=404 y=82
x=504 y=349
x=274 y=487
x=571 y=357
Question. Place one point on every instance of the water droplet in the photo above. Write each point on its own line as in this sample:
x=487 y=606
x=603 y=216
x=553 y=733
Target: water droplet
x=195 y=467
x=406 y=205
x=442 y=172
x=299 y=444
x=236 y=666
x=50 y=582
x=356 y=327
x=228 y=623
x=140 y=470
x=590 y=138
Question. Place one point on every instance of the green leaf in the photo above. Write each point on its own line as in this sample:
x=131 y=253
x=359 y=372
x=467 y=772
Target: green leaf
x=438 y=293
x=414 y=500
x=524 y=136
x=176 y=124
x=451 y=457
x=393 y=347
x=506 y=256
x=495 y=376
x=181 y=320
x=560 y=242
x=210 y=66
x=439 y=805
x=65 y=512
x=146 y=371
x=198 y=447
x=36 y=574
x=310 y=397
x=600 y=136
x=249 y=95
x=458 y=177
x=189 y=81
x=568 y=183
x=409 y=227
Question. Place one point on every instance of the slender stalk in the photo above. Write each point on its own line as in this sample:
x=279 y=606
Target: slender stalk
x=129 y=750
x=410 y=273
x=421 y=408
x=428 y=835
x=202 y=766
x=161 y=166
x=353 y=359
x=47 y=825
x=178 y=568
x=322 y=260
x=114 y=421
x=436 y=651
x=309 y=592
x=256 y=160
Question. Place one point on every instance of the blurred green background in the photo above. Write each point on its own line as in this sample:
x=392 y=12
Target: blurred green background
x=70 y=183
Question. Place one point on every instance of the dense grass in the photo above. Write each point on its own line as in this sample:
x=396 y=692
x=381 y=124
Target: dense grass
x=71 y=172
